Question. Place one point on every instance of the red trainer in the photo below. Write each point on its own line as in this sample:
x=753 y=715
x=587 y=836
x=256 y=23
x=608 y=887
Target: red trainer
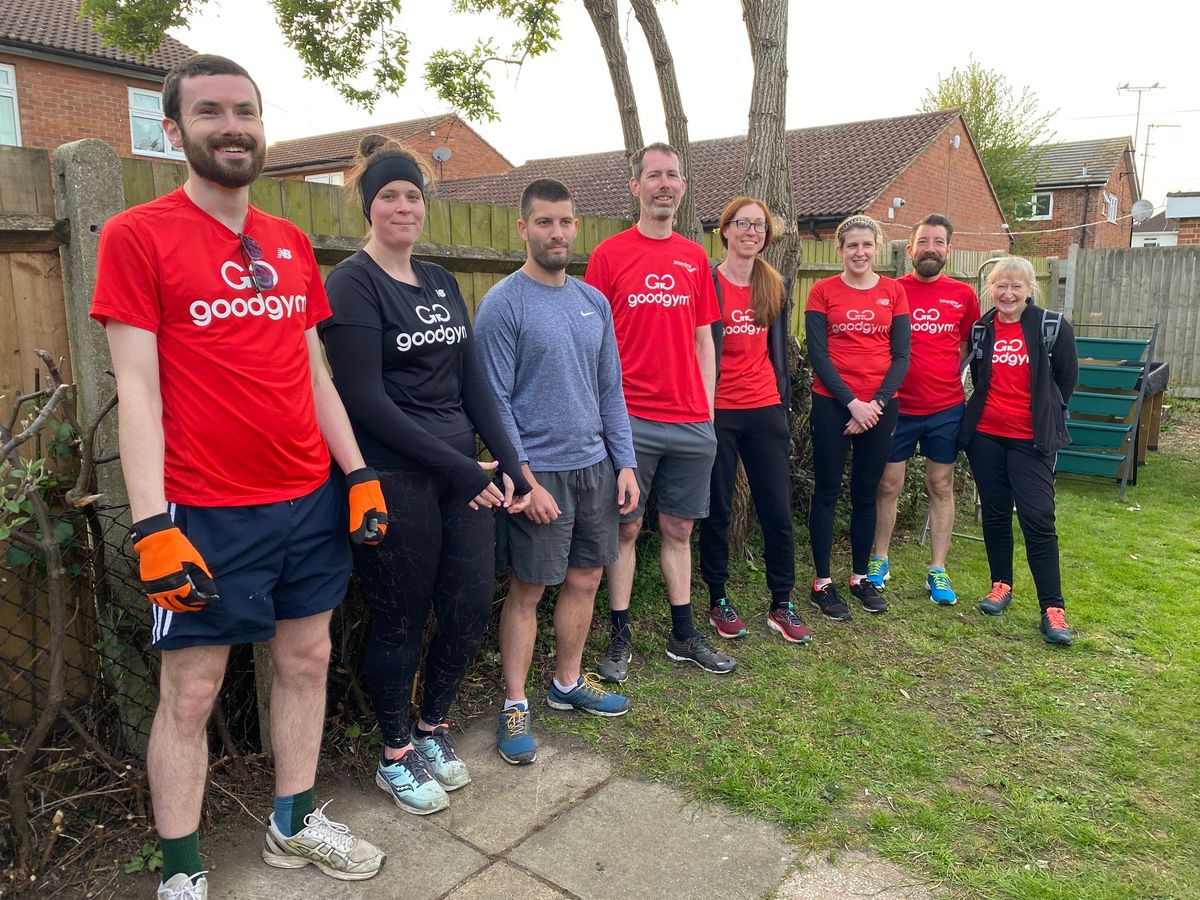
x=789 y=625
x=726 y=620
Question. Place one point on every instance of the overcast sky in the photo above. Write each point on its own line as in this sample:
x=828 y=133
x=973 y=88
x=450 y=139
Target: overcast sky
x=846 y=62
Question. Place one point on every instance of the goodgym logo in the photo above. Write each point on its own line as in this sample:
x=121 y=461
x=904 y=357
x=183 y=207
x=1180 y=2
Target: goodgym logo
x=860 y=315
x=926 y=315
x=1008 y=353
x=241 y=280
x=659 y=292
x=660 y=282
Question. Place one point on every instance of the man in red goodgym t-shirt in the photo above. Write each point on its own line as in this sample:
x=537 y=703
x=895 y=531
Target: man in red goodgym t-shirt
x=227 y=421
x=931 y=400
x=663 y=301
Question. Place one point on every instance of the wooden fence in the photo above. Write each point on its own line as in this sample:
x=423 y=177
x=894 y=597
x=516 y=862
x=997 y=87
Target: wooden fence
x=1142 y=286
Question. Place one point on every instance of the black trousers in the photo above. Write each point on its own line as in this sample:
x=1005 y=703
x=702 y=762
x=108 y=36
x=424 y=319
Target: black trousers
x=1008 y=470
x=827 y=423
x=761 y=438
x=438 y=556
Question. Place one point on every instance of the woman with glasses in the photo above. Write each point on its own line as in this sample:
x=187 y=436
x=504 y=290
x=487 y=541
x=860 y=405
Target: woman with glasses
x=753 y=395
x=403 y=357
x=856 y=329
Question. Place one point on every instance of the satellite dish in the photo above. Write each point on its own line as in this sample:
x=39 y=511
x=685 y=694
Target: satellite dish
x=1142 y=210
x=441 y=154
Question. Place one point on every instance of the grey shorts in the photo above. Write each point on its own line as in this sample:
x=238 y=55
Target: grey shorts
x=675 y=460
x=584 y=536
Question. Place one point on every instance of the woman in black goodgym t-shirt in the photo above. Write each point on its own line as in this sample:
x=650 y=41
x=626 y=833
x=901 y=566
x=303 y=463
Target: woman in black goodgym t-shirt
x=403 y=359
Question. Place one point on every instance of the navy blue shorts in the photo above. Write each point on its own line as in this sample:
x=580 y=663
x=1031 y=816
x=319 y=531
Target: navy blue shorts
x=271 y=561
x=937 y=434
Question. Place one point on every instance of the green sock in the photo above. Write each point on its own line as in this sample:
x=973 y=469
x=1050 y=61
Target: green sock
x=181 y=855
x=302 y=804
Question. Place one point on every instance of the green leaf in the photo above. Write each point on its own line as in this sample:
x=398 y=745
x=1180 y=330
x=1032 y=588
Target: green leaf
x=353 y=730
x=63 y=532
x=18 y=557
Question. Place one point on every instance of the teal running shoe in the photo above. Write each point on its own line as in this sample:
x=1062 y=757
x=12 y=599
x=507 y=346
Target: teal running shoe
x=587 y=696
x=878 y=571
x=514 y=738
x=940 y=591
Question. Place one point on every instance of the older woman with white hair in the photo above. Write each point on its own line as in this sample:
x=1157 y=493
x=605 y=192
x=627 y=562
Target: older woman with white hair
x=1014 y=424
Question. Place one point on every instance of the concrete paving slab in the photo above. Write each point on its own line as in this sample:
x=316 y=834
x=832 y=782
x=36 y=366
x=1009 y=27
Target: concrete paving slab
x=423 y=860
x=504 y=880
x=635 y=839
x=854 y=874
x=505 y=803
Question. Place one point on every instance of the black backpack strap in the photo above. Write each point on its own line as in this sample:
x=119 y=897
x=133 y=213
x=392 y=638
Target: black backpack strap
x=1051 y=323
x=718 y=327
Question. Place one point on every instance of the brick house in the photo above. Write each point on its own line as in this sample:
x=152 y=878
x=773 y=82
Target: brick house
x=446 y=144
x=1184 y=207
x=59 y=84
x=1085 y=194
x=927 y=161
x=1156 y=231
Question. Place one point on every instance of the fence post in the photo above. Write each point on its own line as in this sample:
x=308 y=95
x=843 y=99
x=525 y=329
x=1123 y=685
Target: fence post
x=899 y=258
x=1069 y=294
x=88 y=189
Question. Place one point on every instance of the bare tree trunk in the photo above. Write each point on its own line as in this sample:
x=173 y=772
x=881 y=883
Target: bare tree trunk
x=608 y=29
x=687 y=222
x=767 y=173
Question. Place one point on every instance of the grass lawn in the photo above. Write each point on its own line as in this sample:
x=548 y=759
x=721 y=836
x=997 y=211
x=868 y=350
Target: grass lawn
x=961 y=746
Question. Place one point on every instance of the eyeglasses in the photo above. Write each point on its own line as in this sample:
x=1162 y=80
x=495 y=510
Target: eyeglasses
x=260 y=273
x=746 y=225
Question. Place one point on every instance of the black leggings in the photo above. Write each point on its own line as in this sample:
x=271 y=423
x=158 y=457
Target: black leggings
x=1008 y=470
x=438 y=555
x=830 y=447
x=761 y=438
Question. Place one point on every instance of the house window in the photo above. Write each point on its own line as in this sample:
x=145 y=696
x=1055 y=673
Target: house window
x=145 y=126
x=1150 y=242
x=1110 y=207
x=337 y=178
x=10 y=117
x=1041 y=206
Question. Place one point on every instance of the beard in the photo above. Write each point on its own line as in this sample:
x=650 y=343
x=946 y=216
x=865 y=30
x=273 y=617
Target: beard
x=205 y=162
x=542 y=256
x=929 y=266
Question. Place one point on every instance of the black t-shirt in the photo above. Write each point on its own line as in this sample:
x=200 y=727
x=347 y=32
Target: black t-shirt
x=403 y=359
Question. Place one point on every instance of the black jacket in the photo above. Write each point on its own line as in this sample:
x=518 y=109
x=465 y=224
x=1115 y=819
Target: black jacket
x=777 y=341
x=1052 y=378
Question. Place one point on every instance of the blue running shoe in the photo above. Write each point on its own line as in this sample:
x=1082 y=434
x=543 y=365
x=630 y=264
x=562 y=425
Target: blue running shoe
x=588 y=696
x=514 y=739
x=878 y=571
x=939 y=588
x=441 y=759
x=411 y=784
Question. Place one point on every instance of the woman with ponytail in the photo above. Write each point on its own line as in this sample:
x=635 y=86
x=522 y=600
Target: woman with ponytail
x=403 y=357
x=753 y=395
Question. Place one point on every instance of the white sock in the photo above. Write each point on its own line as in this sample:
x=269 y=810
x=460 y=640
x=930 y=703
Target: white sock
x=509 y=701
x=565 y=688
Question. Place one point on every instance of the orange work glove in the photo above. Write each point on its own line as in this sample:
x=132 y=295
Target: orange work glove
x=368 y=512
x=173 y=573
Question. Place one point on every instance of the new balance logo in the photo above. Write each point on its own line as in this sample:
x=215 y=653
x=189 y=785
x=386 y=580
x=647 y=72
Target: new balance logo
x=283 y=253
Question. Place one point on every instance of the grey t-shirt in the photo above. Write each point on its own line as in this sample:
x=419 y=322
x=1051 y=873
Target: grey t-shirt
x=551 y=357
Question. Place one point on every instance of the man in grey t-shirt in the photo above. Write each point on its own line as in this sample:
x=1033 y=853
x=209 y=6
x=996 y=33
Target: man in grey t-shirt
x=547 y=344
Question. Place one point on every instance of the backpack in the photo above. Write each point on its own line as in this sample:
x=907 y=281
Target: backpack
x=1051 y=323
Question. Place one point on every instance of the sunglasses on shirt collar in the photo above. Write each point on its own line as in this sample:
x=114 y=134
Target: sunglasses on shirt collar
x=260 y=273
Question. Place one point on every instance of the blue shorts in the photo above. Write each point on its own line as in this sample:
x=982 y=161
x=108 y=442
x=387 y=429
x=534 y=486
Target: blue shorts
x=937 y=434
x=271 y=561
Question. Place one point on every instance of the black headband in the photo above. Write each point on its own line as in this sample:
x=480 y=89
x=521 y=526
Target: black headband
x=385 y=171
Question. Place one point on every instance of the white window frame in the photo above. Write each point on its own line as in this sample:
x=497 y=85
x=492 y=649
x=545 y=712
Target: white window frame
x=337 y=179
x=1033 y=204
x=140 y=113
x=11 y=91
x=1110 y=207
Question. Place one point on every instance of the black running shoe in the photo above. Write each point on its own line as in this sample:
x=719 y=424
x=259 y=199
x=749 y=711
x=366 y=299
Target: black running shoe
x=614 y=665
x=868 y=595
x=826 y=599
x=698 y=650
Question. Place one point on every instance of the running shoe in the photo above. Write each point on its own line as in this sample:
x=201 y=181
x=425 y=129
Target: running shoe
x=698 y=650
x=587 y=696
x=1055 y=628
x=411 y=784
x=726 y=620
x=184 y=887
x=514 y=738
x=328 y=845
x=441 y=759
x=878 y=571
x=997 y=599
x=787 y=622
x=868 y=596
x=940 y=591
x=614 y=665
x=826 y=599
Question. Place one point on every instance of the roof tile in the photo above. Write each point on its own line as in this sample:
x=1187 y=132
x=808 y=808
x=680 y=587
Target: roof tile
x=341 y=146
x=1080 y=162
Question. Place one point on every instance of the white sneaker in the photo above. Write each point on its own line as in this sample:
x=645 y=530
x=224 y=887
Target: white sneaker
x=328 y=845
x=184 y=887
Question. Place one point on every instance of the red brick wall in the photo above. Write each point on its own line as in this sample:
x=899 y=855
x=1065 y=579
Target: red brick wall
x=950 y=182
x=1069 y=211
x=1189 y=231
x=60 y=103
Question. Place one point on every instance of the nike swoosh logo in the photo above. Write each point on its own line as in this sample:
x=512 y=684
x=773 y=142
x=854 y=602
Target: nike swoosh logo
x=592 y=313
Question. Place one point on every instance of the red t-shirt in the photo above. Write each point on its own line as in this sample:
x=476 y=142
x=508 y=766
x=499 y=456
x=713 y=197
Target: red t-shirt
x=237 y=404
x=859 y=324
x=1008 y=410
x=942 y=312
x=747 y=377
x=660 y=291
